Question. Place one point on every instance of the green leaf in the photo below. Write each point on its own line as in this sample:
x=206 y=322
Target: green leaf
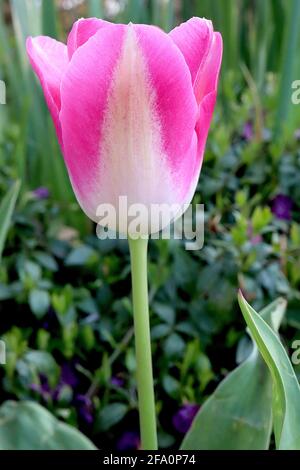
x=238 y=415
x=49 y=19
x=80 y=256
x=33 y=363
x=5 y=292
x=42 y=361
x=30 y=270
x=160 y=331
x=6 y=211
x=111 y=415
x=171 y=386
x=46 y=261
x=39 y=301
x=261 y=217
x=174 y=345
x=286 y=390
x=28 y=426
x=165 y=312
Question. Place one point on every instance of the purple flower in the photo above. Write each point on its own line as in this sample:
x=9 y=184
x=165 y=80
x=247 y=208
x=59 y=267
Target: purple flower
x=68 y=375
x=117 y=382
x=281 y=207
x=85 y=408
x=41 y=193
x=50 y=320
x=130 y=440
x=183 y=419
x=248 y=133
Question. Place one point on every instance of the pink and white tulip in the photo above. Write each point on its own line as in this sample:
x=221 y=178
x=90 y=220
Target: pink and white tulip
x=132 y=107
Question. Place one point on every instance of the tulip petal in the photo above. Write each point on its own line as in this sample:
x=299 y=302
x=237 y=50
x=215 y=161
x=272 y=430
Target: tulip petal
x=175 y=102
x=84 y=92
x=49 y=60
x=82 y=30
x=127 y=133
x=206 y=81
x=206 y=110
x=193 y=38
x=202 y=49
x=205 y=88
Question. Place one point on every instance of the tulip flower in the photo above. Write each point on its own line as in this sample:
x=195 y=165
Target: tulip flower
x=132 y=107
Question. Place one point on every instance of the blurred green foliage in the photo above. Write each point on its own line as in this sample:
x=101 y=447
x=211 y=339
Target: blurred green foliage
x=65 y=298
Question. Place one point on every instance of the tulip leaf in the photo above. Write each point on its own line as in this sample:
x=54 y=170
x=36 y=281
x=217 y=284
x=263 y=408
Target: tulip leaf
x=28 y=426
x=238 y=415
x=6 y=211
x=286 y=390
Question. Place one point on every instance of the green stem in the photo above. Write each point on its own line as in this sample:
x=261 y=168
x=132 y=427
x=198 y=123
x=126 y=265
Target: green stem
x=138 y=255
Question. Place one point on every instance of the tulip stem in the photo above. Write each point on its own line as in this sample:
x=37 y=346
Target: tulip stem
x=138 y=255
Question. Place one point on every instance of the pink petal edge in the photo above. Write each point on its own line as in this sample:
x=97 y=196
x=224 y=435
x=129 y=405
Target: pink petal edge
x=193 y=38
x=49 y=60
x=82 y=30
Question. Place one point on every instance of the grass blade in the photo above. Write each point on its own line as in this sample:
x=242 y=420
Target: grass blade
x=290 y=53
x=6 y=210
